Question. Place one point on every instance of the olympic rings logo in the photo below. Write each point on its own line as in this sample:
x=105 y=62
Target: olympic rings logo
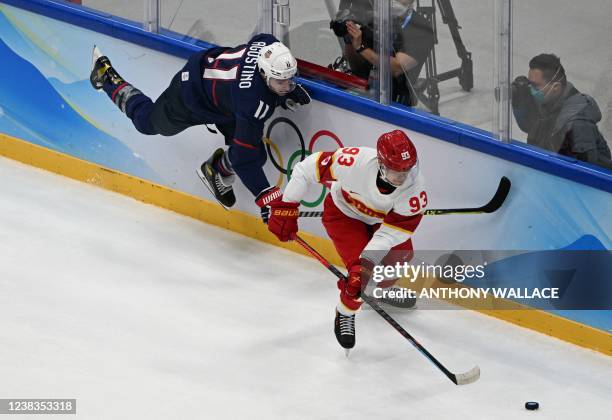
x=297 y=156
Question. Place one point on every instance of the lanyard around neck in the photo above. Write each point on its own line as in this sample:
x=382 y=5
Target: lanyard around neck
x=408 y=19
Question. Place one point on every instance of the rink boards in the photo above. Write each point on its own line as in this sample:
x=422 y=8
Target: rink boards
x=52 y=119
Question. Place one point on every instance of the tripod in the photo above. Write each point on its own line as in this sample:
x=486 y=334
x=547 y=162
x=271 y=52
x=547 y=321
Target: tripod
x=427 y=89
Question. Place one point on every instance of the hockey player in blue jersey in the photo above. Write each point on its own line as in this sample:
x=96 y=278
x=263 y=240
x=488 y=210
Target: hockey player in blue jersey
x=236 y=89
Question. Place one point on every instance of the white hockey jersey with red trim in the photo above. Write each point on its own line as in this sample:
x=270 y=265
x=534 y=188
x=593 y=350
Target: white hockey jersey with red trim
x=351 y=172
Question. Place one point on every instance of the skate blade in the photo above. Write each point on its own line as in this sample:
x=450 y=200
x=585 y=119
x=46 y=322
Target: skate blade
x=203 y=179
x=96 y=53
x=347 y=352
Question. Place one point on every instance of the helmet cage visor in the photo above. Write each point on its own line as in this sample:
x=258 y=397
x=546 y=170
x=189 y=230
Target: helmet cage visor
x=282 y=86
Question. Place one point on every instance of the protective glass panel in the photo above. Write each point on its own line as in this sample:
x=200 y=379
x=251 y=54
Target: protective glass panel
x=327 y=53
x=132 y=10
x=445 y=51
x=226 y=23
x=562 y=89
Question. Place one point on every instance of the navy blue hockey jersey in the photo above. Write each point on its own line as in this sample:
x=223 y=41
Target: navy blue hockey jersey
x=223 y=86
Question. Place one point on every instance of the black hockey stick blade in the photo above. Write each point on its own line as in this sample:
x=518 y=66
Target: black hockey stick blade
x=500 y=196
x=493 y=205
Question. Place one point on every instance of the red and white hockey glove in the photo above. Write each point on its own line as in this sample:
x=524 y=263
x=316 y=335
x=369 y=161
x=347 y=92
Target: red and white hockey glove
x=283 y=220
x=264 y=199
x=358 y=278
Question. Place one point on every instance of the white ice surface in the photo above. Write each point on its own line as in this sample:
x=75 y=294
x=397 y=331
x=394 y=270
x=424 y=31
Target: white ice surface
x=140 y=313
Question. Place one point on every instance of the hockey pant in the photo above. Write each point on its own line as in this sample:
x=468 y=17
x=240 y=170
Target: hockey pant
x=167 y=116
x=350 y=237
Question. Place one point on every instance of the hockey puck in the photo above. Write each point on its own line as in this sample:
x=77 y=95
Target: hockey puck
x=532 y=405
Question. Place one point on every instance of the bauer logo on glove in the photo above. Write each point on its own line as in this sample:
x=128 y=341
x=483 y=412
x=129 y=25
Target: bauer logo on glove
x=286 y=213
x=283 y=220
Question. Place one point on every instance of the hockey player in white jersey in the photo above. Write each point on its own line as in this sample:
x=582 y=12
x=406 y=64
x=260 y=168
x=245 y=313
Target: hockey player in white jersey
x=376 y=202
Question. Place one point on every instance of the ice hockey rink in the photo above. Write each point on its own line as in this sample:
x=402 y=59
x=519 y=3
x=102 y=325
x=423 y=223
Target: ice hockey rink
x=140 y=313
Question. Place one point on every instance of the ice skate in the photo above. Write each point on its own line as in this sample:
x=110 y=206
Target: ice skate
x=102 y=70
x=344 y=328
x=220 y=186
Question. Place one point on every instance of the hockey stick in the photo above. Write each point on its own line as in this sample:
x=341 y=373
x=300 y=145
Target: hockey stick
x=493 y=205
x=458 y=379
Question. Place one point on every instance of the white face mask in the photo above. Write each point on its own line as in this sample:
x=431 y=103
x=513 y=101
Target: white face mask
x=398 y=8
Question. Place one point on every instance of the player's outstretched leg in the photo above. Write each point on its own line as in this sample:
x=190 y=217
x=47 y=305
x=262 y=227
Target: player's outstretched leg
x=344 y=328
x=217 y=176
x=131 y=101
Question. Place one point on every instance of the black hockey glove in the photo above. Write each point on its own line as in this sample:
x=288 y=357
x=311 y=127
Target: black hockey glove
x=299 y=96
x=521 y=95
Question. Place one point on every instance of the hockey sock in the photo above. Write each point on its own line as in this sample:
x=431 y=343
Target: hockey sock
x=121 y=94
x=223 y=166
x=344 y=310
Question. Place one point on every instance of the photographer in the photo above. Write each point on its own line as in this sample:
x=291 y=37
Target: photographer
x=555 y=115
x=413 y=39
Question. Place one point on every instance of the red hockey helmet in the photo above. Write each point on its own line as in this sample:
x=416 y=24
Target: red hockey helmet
x=397 y=157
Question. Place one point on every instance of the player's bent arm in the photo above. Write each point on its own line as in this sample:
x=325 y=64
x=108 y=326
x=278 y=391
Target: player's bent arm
x=302 y=176
x=247 y=154
x=323 y=168
x=395 y=230
x=316 y=168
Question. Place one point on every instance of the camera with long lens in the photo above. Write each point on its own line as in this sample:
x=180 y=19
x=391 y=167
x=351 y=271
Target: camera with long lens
x=338 y=25
x=520 y=92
